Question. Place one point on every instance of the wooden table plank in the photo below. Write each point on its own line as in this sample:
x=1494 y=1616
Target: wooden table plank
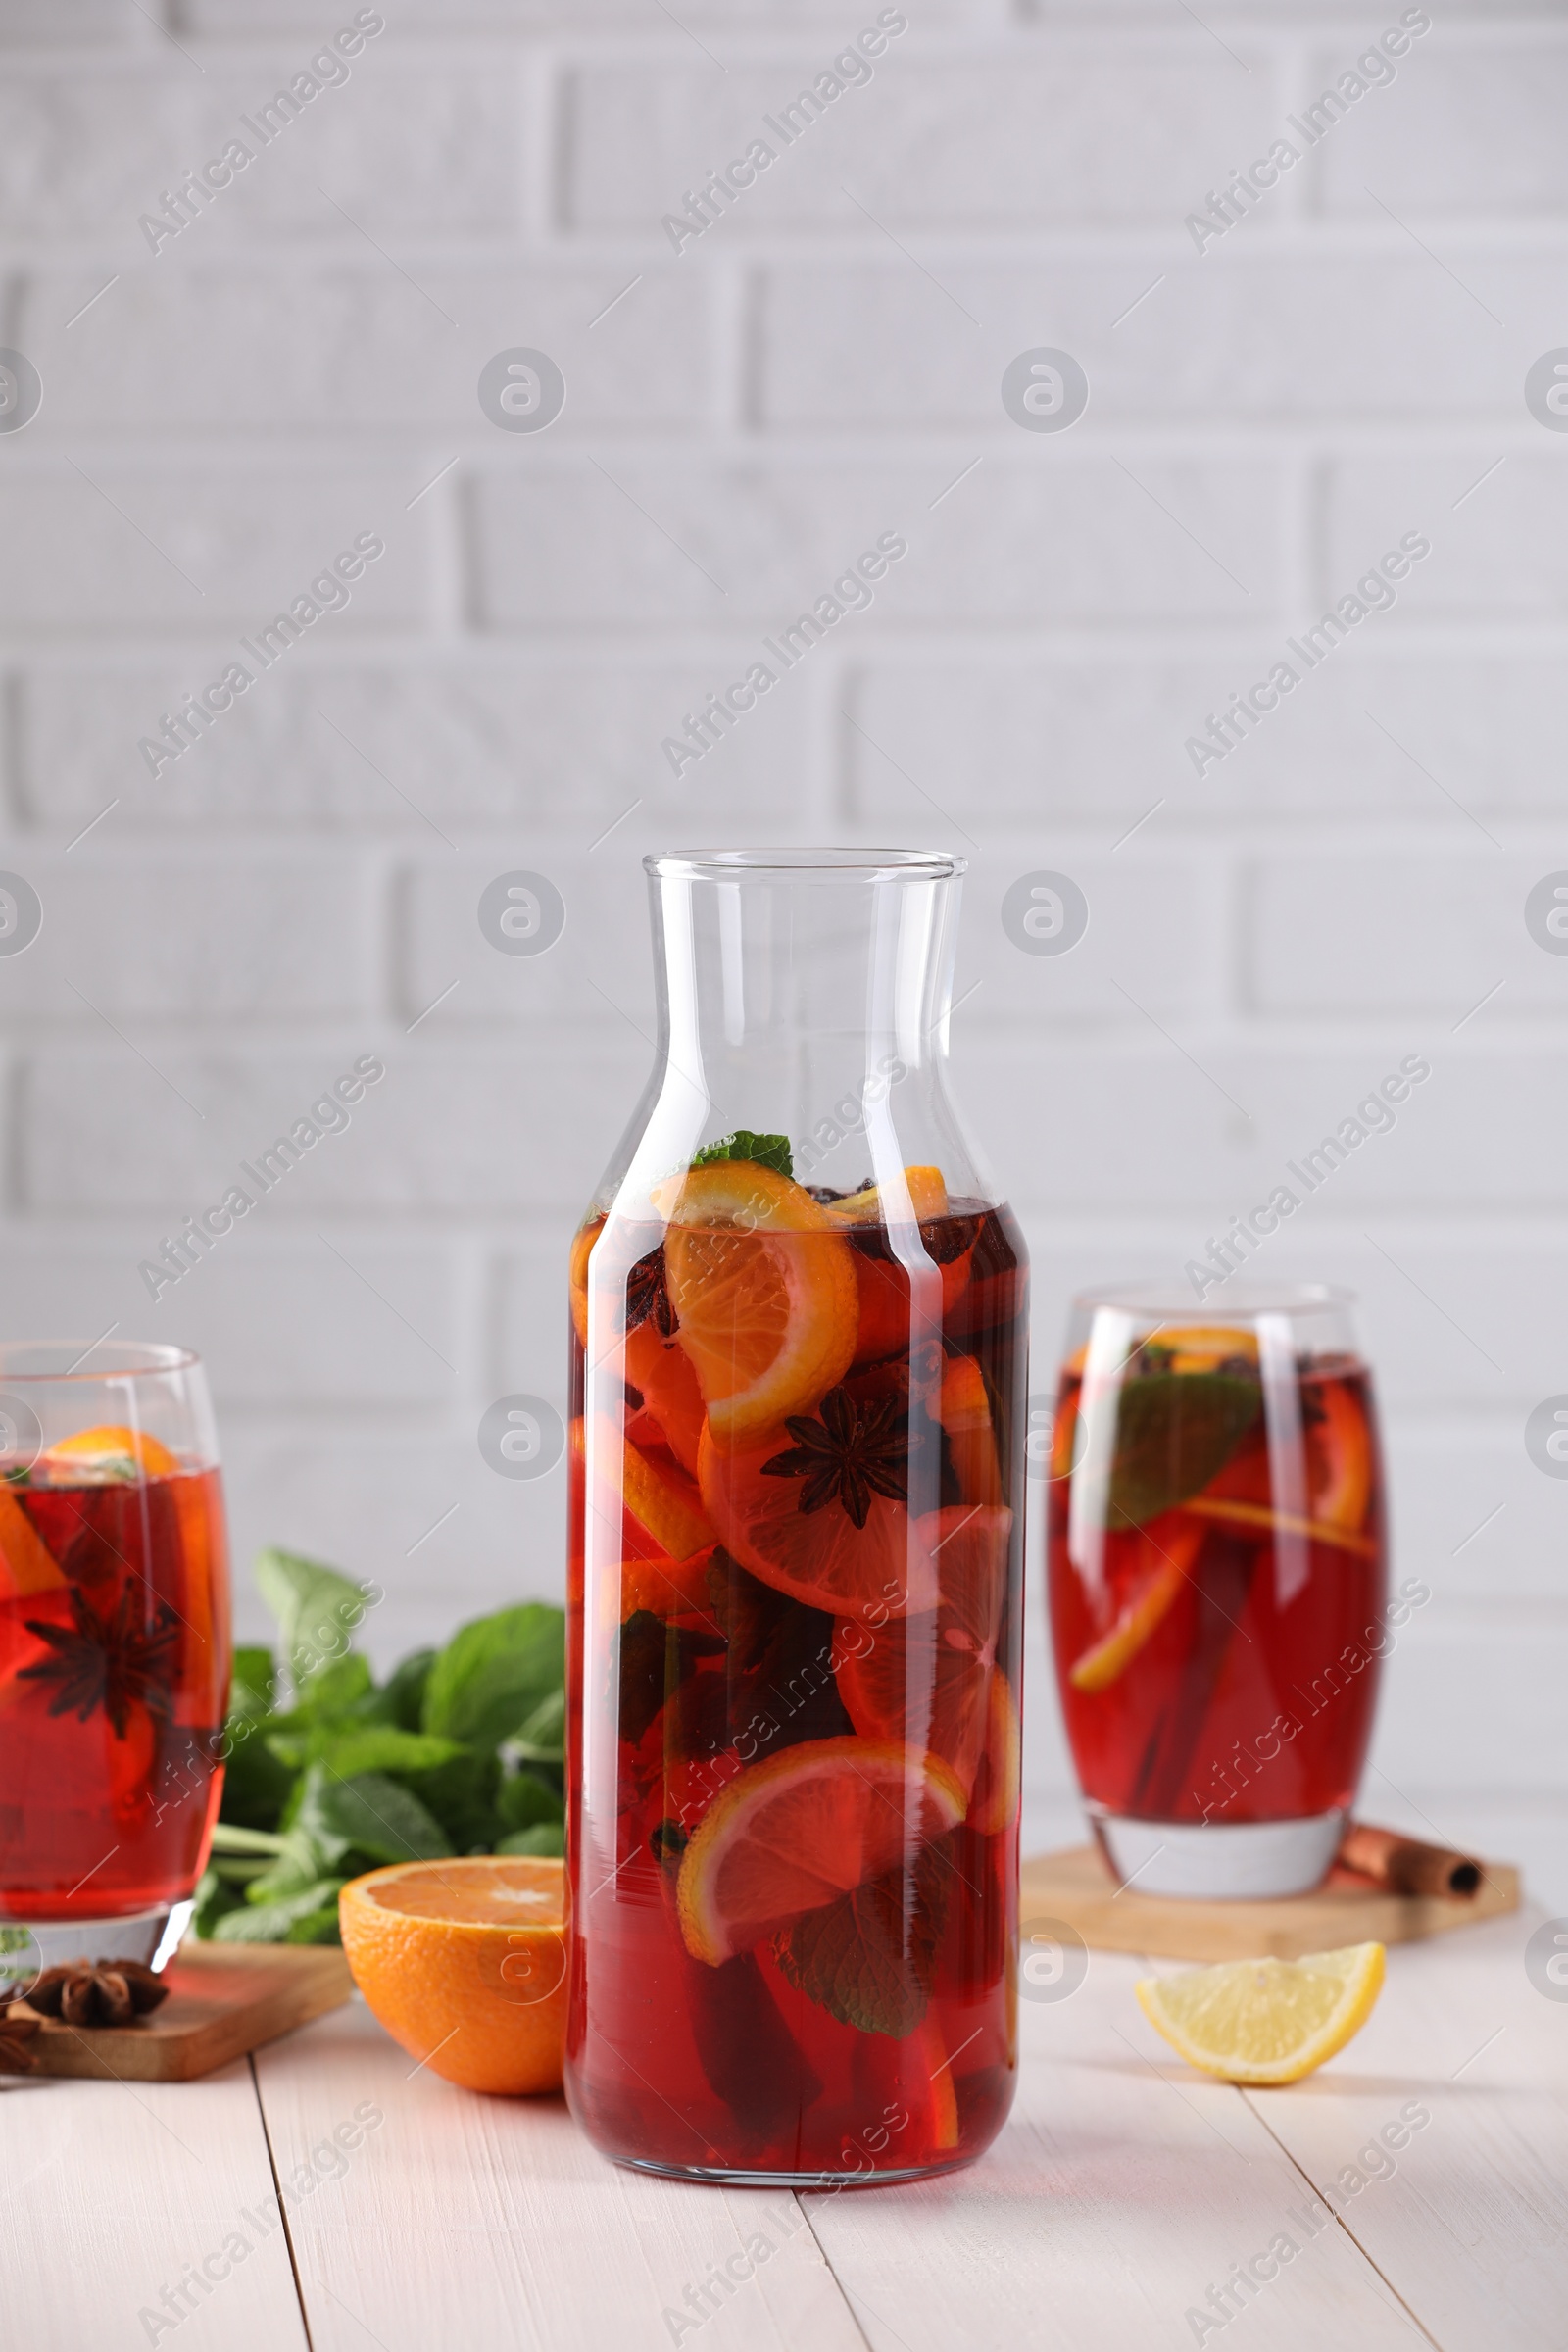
x=113 y=2193
x=461 y=2220
x=1471 y=2223
x=1117 y=2197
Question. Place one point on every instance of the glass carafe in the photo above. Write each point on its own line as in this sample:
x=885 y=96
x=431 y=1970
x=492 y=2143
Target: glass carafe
x=799 y=1357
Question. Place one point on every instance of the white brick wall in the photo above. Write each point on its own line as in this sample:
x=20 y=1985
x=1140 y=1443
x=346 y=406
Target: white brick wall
x=299 y=365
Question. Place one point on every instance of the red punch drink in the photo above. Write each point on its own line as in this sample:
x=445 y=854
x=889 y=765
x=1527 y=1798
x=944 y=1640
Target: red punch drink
x=1217 y=1587
x=795 y=1641
x=113 y=1678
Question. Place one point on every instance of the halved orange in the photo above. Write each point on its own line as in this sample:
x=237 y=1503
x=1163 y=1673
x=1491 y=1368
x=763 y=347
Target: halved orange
x=791 y=1834
x=465 y=1963
x=109 y=1456
x=762 y=1284
x=927 y=1679
x=1167 y=1547
x=883 y=1569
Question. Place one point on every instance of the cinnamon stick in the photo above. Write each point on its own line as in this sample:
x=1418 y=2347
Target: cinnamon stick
x=1406 y=1866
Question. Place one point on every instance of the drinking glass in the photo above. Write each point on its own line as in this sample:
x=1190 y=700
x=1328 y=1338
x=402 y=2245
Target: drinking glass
x=114 y=1648
x=795 y=1578
x=1217 y=1581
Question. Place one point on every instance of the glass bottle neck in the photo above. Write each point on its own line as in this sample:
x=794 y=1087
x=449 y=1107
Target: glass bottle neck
x=810 y=1003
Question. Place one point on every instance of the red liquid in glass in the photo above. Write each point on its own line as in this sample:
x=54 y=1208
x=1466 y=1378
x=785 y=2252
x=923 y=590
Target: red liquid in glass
x=1222 y=1663
x=113 y=1678
x=692 y=1673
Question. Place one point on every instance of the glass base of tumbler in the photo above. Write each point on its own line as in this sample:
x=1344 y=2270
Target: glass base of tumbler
x=1219 y=1862
x=28 y=1946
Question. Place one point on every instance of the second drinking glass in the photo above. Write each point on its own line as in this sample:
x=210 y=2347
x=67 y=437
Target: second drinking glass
x=1217 y=1578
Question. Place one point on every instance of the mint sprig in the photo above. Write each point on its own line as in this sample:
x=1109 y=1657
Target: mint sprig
x=768 y=1150
x=458 y=1751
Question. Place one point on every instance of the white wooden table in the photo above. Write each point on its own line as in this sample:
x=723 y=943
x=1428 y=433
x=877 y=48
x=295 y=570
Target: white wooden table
x=1123 y=2188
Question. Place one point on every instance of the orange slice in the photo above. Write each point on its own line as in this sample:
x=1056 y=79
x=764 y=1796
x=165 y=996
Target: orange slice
x=928 y=1198
x=994 y=1799
x=936 y=2074
x=763 y=1285
x=928 y=1679
x=1168 y=1546
x=965 y=1415
x=883 y=1569
x=794 y=1834
x=1340 y=1454
x=108 y=1455
x=582 y=1248
x=662 y=1499
x=662 y=1370
x=1200 y=1347
x=1265 y=1520
x=27 y=1564
x=665 y=1588
x=465 y=1963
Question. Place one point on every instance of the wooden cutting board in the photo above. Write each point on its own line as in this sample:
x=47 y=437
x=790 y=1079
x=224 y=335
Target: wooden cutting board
x=1075 y=1888
x=224 y=1999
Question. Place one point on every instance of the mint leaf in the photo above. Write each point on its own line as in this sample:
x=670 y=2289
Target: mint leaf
x=768 y=1150
x=868 y=1958
x=256 y=1780
x=275 y=1922
x=404 y=1695
x=316 y=1608
x=253 y=1687
x=541 y=1738
x=214 y=1898
x=368 y=1815
x=347 y=1749
x=302 y=1860
x=455 y=1783
x=545 y=1837
x=1175 y=1431
x=495 y=1673
x=342 y=1687
x=525 y=1801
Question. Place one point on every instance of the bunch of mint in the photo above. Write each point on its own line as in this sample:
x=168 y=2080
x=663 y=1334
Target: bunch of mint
x=458 y=1751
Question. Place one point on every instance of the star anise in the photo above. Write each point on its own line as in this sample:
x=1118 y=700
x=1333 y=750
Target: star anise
x=648 y=1295
x=15 y=2035
x=97 y=1993
x=852 y=1452
x=108 y=1662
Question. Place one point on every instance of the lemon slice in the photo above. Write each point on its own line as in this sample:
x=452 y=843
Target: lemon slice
x=1265 y=2021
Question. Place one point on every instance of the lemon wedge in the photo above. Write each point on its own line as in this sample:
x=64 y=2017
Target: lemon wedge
x=1265 y=2021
